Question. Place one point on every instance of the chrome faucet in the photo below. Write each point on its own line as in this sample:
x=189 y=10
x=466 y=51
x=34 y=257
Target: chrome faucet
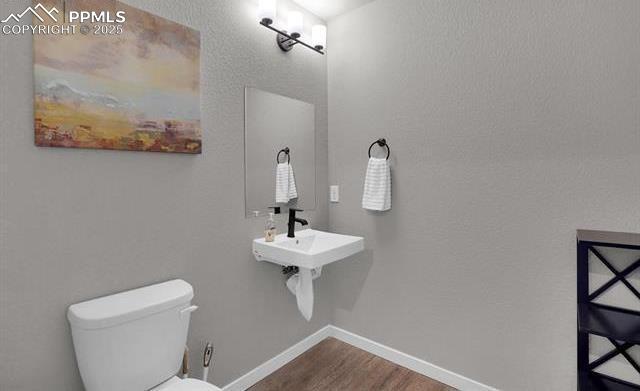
x=293 y=220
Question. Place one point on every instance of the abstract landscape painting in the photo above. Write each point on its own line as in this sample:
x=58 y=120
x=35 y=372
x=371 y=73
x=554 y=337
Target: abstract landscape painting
x=138 y=90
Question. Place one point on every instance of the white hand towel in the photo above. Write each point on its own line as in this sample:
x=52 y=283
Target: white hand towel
x=377 y=185
x=304 y=293
x=285 y=183
x=301 y=285
x=293 y=192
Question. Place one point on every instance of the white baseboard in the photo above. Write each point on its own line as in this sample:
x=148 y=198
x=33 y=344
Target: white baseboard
x=272 y=365
x=413 y=363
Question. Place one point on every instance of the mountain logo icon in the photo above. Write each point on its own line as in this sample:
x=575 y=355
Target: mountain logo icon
x=34 y=11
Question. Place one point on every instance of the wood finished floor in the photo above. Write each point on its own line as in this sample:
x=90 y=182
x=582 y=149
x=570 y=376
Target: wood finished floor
x=333 y=365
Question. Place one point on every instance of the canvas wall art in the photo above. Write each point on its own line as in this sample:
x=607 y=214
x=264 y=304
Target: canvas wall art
x=136 y=89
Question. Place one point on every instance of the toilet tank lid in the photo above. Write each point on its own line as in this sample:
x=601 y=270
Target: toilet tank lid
x=126 y=306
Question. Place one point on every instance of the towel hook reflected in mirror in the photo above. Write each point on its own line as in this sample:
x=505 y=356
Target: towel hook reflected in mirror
x=381 y=143
x=286 y=151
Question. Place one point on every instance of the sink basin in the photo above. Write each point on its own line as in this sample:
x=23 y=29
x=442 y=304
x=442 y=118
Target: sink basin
x=309 y=249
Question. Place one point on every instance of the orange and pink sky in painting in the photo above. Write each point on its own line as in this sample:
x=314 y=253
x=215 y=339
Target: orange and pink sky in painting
x=151 y=50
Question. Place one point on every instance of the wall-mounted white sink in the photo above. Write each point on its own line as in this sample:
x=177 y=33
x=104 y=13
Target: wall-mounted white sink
x=310 y=249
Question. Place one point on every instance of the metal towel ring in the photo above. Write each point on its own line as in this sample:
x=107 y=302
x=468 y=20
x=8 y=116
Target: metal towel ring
x=382 y=143
x=285 y=150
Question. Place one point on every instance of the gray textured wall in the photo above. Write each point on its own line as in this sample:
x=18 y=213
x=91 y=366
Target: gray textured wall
x=512 y=123
x=77 y=224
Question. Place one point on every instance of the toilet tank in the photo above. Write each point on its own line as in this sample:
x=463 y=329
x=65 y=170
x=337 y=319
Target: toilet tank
x=134 y=340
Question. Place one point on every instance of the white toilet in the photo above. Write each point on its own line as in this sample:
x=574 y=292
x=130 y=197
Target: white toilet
x=134 y=340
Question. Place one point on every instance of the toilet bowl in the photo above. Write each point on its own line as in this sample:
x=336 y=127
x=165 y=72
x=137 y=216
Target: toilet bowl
x=134 y=340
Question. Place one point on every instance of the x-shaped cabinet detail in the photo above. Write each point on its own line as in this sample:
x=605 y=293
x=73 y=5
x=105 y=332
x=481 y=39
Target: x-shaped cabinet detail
x=620 y=326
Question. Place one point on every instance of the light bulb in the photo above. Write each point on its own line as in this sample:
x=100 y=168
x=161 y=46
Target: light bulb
x=295 y=24
x=267 y=11
x=319 y=36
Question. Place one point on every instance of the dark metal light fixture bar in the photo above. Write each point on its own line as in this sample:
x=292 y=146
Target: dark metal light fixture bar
x=287 y=41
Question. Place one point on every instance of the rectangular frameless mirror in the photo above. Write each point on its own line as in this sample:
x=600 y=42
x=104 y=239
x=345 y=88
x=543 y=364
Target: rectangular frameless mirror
x=274 y=123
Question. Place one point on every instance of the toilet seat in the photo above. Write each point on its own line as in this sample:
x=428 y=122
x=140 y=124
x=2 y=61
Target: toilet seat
x=177 y=384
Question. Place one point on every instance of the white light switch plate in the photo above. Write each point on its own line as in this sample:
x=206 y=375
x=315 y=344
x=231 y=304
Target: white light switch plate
x=334 y=193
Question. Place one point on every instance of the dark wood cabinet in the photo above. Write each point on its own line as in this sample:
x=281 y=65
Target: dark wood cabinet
x=620 y=326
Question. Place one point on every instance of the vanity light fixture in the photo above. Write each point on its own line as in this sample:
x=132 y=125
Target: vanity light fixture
x=287 y=39
x=319 y=36
x=295 y=23
x=267 y=11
